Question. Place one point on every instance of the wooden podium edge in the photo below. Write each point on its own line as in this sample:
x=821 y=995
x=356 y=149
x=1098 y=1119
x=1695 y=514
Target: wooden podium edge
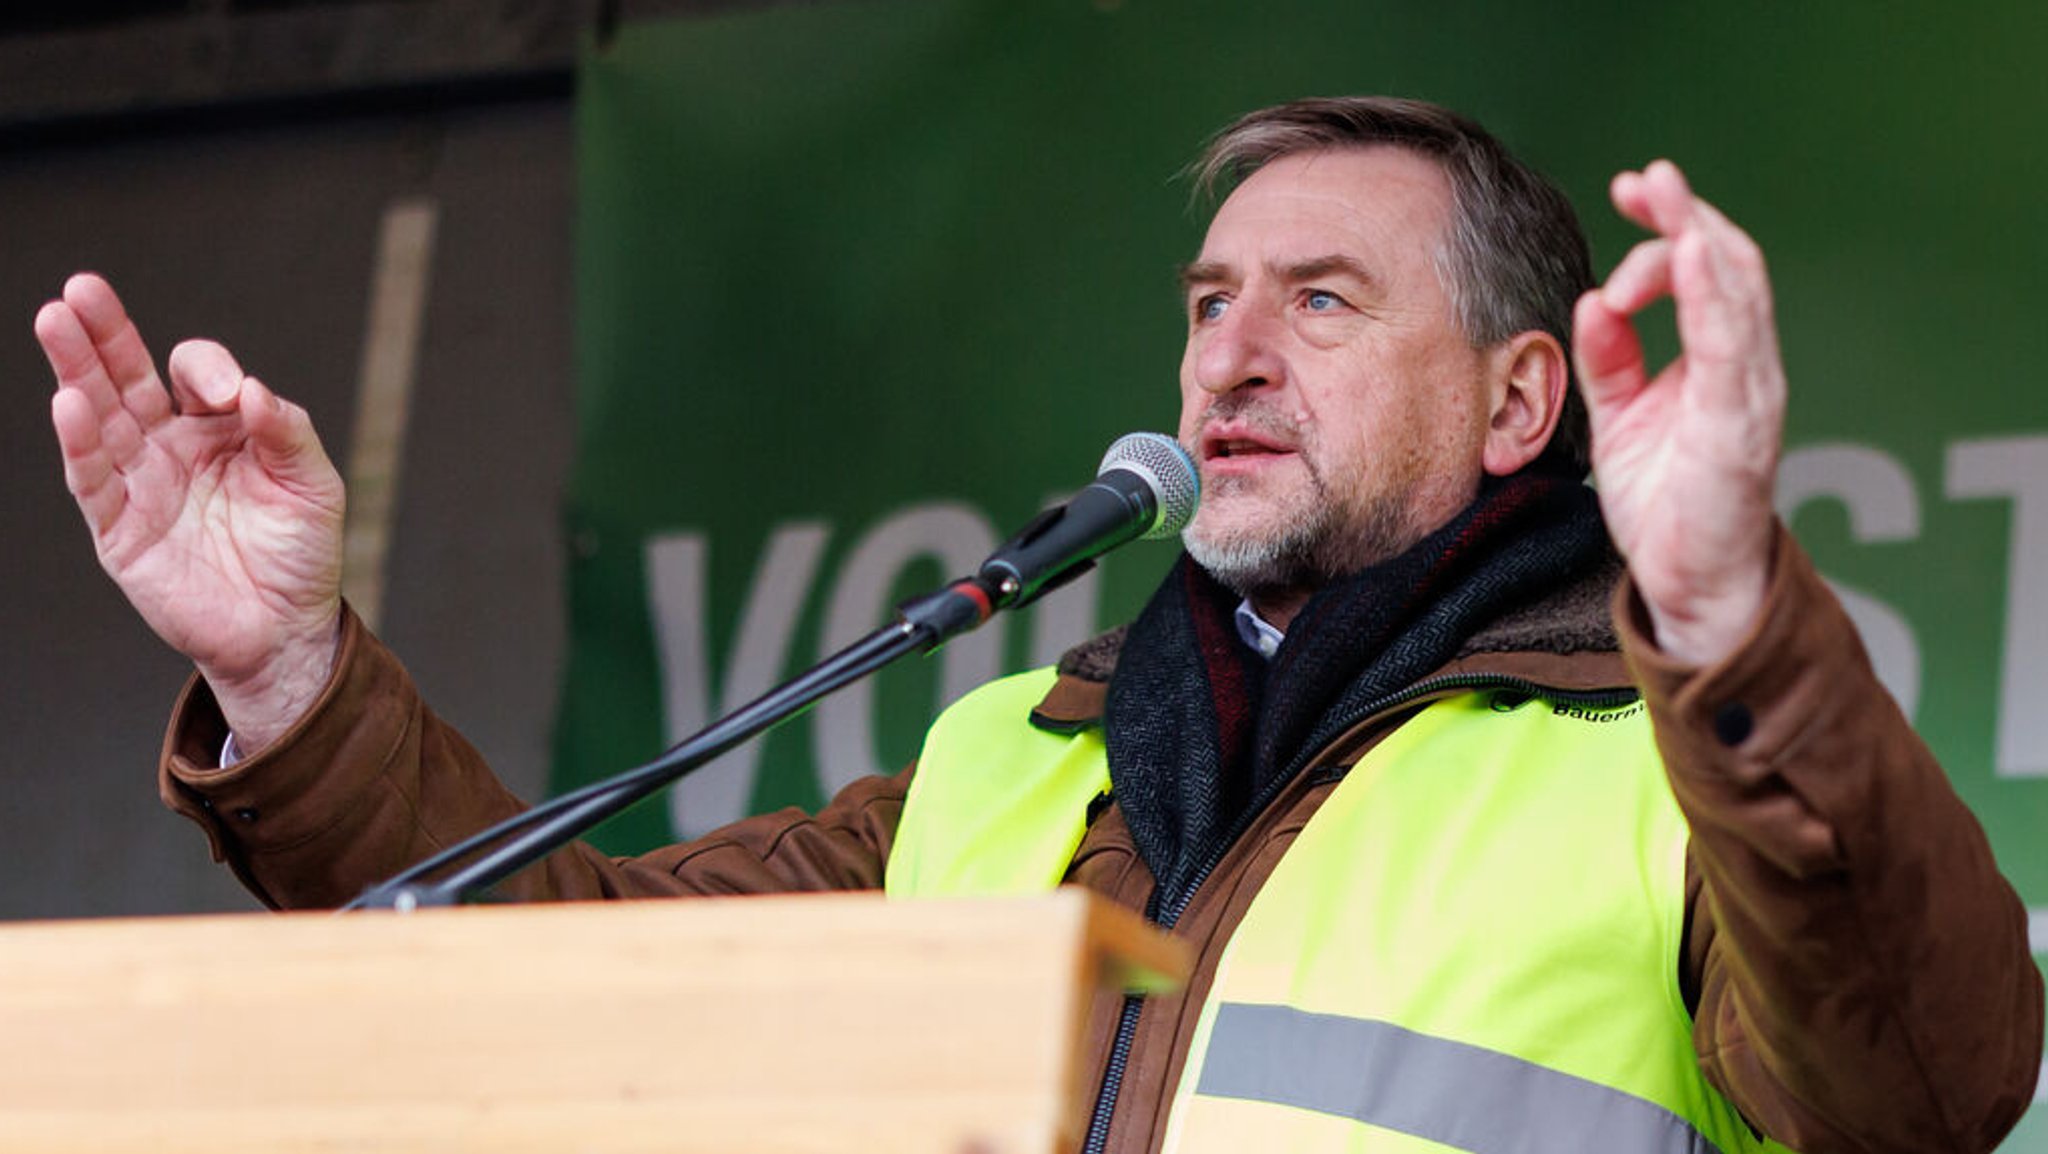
x=198 y=1034
x=1133 y=953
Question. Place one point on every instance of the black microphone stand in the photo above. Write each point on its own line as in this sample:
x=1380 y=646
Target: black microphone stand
x=921 y=626
x=1146 y=486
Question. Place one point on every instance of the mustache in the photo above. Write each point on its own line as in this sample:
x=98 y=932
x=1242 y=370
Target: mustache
x=1260 y=415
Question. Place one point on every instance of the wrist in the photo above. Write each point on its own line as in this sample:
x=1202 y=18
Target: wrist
x=263 y=706
x=1708 y=629
x=1705 y=625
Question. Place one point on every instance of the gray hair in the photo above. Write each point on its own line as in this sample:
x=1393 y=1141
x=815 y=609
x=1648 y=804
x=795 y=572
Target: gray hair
x=1513 y=257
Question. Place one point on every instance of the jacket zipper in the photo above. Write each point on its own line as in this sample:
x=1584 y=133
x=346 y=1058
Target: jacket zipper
x=1119 y=1058
x=1167 y=915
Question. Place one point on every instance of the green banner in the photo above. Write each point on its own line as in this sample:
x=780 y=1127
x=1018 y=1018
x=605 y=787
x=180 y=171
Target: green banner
x=863 y=285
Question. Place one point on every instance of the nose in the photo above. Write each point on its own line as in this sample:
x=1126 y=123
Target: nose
x=1238 y=350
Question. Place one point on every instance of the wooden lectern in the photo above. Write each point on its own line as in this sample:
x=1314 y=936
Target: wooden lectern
x=801 y=1023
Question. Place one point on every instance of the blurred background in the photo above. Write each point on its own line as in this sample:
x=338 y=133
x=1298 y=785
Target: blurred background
x=230 y=167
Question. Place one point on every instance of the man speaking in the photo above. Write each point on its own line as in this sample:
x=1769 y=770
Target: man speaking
x=1499 y=816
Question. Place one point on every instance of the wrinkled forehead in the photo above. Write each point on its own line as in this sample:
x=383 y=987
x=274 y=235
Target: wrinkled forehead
x=1360 y=189
x=1381 y=198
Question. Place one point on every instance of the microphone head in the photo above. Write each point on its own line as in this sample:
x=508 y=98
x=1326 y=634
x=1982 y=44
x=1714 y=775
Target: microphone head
x=1166 y=469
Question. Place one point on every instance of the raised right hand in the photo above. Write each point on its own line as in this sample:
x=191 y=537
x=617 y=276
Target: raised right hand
x=212 y=506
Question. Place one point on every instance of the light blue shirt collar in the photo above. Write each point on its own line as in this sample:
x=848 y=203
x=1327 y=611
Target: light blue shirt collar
x=1254 y=631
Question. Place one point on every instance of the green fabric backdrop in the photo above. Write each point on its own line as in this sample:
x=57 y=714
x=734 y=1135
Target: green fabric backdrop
x=861 y=285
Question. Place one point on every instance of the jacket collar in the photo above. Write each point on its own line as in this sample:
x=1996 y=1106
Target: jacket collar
x=1565 y=641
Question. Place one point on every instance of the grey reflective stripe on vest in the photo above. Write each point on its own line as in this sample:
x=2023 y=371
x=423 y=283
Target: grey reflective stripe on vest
x=1462 y=1096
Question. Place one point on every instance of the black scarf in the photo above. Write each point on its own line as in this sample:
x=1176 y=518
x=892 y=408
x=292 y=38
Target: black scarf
x=1201 y=731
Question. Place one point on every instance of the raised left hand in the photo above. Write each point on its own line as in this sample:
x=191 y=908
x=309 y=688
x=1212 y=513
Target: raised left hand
x=1686 y=460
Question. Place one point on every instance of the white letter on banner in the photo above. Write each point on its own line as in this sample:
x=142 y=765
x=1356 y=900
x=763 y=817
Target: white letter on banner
x=842 y=726
x=1878 y=494
x=720 y=791
x=2016 y=467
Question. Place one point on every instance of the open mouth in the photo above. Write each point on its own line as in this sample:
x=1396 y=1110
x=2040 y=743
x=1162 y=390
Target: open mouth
x=1226 y=444
x=1242 y=448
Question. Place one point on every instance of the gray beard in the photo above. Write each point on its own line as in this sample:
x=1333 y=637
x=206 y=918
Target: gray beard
x=1303 y=550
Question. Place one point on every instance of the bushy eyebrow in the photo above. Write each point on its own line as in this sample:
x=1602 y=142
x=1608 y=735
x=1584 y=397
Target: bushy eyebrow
x=1202 y=272
x=1205 y=272
x=1317 y=268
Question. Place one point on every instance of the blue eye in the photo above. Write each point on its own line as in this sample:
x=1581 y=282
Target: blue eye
x=1319 y=301
x=1210 y=307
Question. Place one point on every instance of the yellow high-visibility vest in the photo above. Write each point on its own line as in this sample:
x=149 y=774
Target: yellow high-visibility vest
x=1473 y=944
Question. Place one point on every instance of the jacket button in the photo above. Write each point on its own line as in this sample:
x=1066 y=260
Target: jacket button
x=1733 y=724
x=246 y=815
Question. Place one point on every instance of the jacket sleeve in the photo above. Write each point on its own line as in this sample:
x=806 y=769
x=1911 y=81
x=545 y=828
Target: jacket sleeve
x=371 y=781
x=1860 y=968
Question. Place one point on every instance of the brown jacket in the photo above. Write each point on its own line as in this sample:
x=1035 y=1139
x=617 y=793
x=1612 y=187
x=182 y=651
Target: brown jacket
x=1859 y=970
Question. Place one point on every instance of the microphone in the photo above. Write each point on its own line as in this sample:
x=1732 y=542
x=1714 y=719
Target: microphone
x=1146 y=487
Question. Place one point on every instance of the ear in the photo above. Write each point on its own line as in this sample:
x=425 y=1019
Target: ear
x=1529 y=380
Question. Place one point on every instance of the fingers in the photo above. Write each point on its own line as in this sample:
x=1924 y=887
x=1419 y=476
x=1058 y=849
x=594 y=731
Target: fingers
x=1608 y=356
x=117 y=346
x=1711 y=268
x=1715 y=321
x=286 y=444
x=1657 y=198
x=1643 y=276
x=89 y=470
x=1714 y=273
x=73 y=357
x=85 y=395
x=102 y=367
x=205 y=377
